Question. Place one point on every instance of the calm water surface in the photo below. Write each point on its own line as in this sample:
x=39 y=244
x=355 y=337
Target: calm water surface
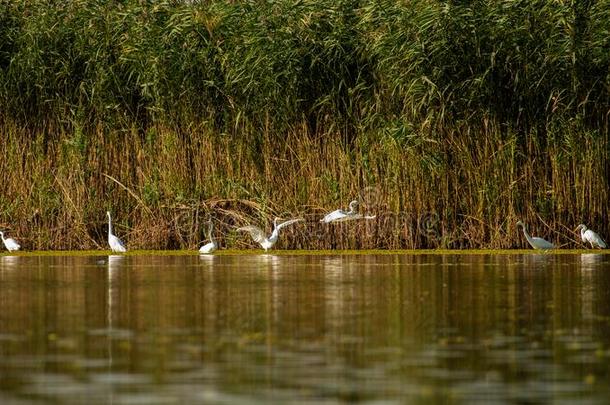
x=301 y=329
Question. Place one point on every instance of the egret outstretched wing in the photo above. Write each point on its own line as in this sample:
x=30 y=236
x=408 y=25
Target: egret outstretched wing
x=354 y=216
x=268 y=242
x=255 y=232
x=341 y=216
x=289 y=222
x=334 y=216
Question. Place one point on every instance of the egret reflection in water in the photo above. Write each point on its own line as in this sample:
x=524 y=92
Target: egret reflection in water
x=114 y=266
x=208 y=259
x=9 y=261
x=591 y=261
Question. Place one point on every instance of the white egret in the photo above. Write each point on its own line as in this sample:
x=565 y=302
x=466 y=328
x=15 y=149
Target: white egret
x=210 y=246
x=116 y=245
x=341 y=215
x=535 y=242
x=587 y=235
x=259 y=236
x=10 y=243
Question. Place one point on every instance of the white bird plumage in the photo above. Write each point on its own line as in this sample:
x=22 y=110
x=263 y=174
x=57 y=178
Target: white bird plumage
x=534 y=241
x=10 y=243
x=341 y=215
x=591 y=237
x=259 y=236
x=116 y=245
x=211 y=245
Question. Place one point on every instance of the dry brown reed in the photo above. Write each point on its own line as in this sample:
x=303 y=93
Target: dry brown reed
x=461 y=194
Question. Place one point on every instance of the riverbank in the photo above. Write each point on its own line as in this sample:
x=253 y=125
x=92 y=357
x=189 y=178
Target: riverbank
x=255 y=252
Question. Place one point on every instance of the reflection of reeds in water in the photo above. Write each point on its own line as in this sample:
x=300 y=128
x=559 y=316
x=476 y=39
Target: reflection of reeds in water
x=591 y=266
x=302 y=321
x=336 y=302
x=539 y=261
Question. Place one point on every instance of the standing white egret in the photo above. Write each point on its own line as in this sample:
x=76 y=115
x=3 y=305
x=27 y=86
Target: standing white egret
x=211 y=245
x=116 y=245
x=10 y=243
x=591 y=237
x=259 y=236
x=535 y=242
x=341 y=215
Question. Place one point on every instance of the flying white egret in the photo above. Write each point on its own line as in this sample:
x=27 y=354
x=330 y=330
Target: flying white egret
x=535 y=242
x=259 y=236
x=591 y=237
x=10 y=243
x=210 y=246
x=340 y=215
x=115 y=243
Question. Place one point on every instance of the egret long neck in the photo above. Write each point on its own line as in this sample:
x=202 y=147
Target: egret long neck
x=527 y=235
x=109 y=226
x=582 y=233
x=352 y=209
x=210 y=229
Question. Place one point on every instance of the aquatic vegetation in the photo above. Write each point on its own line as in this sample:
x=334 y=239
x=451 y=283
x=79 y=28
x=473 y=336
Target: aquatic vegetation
x=449 y=120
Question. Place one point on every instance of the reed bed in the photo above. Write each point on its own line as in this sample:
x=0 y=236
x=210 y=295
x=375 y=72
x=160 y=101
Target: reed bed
x=449 y=120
